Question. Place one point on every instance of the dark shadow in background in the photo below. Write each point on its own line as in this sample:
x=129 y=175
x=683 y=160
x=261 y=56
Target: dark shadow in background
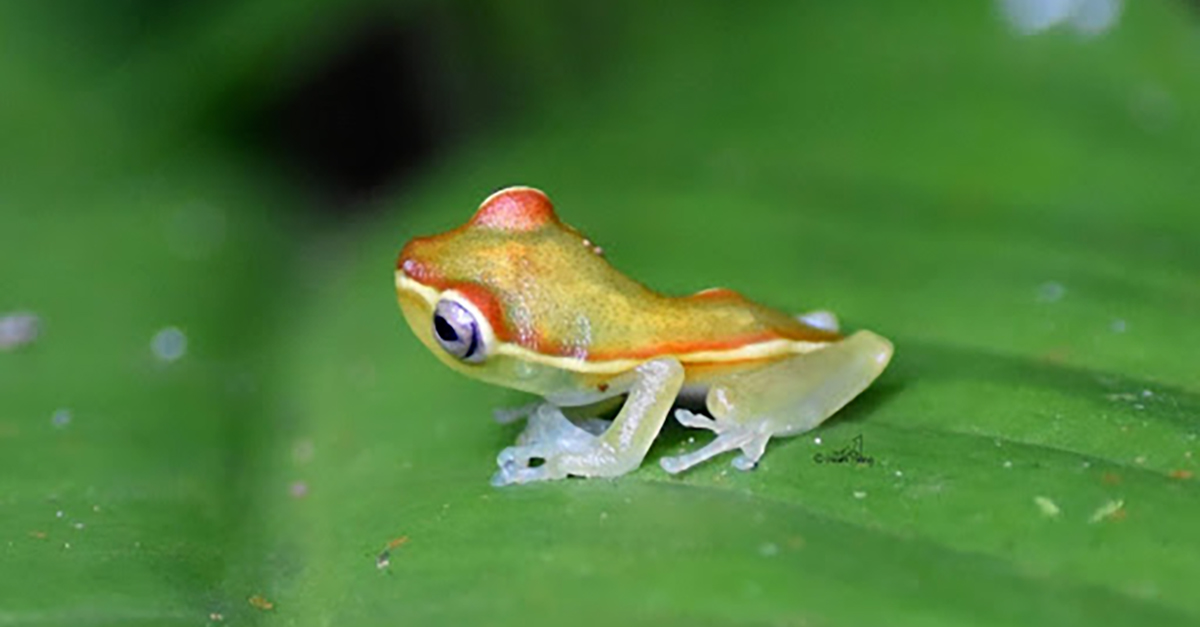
x=364 y=117
x=396 y=89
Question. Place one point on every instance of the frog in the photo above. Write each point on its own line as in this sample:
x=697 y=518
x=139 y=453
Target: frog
x=519 y=299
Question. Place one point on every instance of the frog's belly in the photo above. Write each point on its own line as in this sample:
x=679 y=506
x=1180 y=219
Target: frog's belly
x=698 y=377
x=693 y=394
x=701 y=376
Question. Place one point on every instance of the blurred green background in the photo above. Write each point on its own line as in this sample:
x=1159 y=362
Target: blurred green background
x=223 y=420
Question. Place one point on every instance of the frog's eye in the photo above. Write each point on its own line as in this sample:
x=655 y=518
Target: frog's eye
x=457 y=331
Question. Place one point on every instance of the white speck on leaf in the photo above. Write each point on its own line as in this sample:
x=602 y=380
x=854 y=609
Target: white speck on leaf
x=1118 y=326
x=1008 y=463
x=1051 y=292
x=859 y=494
x=61 y=418
x=18 y=329
x=768 y=549
x=169 y=344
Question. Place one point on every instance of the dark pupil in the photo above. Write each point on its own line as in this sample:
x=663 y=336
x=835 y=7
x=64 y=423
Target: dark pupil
x=444 y=330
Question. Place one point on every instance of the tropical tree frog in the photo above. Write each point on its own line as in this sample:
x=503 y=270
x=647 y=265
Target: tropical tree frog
x=517 y=298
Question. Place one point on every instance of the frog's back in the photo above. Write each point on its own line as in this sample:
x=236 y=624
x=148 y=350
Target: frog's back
x=548 y=289
x=713 y=325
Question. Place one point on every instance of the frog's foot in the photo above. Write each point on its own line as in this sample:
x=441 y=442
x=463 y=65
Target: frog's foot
x=548 y=436
x=730 y=435
x=553 y=447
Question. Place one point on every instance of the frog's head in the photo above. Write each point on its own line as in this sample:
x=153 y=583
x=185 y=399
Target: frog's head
x=482 y=297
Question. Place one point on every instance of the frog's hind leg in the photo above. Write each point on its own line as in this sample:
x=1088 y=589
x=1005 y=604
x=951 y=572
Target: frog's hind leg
x=730 y=435
x=785 y=398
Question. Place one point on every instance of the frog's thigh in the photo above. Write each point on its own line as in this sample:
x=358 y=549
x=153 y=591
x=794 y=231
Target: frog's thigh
x=786 y=398
x=652 y=389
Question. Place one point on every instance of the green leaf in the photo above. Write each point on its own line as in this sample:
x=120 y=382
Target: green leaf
x=1033 y=440
x=120 y=467
x=1015 y=213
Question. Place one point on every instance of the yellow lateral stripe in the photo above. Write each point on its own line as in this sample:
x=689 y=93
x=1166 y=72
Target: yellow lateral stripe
x=761 y=350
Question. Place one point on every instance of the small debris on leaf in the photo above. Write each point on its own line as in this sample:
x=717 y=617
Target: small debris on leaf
x=1047 y=507
x=398 y=542
x=261 y=602
x=385 y=557
x=1112 y=509
x=1180 y=473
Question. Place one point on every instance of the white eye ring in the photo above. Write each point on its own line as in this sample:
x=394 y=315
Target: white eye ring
x=457 y=332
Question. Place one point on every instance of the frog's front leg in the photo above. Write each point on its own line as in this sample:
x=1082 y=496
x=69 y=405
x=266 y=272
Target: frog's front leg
x=565 y=449
x=785 y=398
